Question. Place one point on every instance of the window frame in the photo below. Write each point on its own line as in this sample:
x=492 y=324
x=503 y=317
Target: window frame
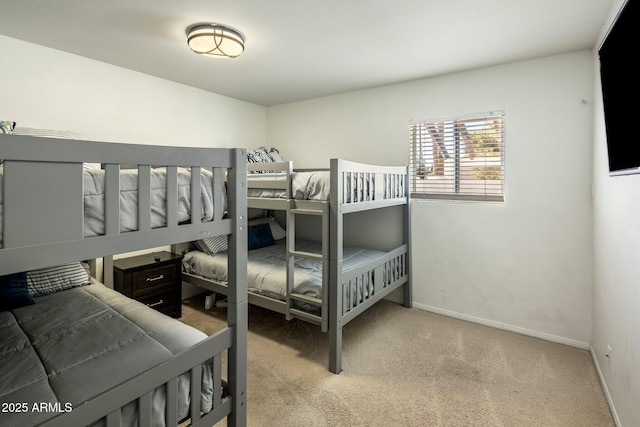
x=452 y=132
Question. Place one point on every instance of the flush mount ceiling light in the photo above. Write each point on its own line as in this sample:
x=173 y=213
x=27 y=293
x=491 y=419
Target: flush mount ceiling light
x=215 y=40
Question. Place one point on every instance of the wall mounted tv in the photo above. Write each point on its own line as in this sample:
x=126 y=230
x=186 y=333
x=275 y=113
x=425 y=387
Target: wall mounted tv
x=620 y=78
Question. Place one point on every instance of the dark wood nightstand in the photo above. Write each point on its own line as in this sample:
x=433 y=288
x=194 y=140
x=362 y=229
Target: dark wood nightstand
x=154 y=279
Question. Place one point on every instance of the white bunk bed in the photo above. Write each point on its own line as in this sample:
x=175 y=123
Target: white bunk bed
x=349 y=280
x=44 y=224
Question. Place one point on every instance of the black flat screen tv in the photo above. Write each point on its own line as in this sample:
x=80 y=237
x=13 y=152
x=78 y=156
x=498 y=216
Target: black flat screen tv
x=619 y=77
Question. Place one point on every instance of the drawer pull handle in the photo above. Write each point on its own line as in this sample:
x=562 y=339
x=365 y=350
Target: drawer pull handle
x=153 y=279
x=156 y=303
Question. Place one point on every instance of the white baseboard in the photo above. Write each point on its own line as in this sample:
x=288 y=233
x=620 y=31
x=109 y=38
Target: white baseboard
x=506 y=327
x=612 y=407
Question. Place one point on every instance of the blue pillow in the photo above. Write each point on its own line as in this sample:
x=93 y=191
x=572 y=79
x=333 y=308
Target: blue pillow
x=13 y=291
x=260 y=236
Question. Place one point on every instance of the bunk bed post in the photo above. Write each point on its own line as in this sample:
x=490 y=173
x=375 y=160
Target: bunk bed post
x=238 y=308
x=335 y=268
x=406 y=229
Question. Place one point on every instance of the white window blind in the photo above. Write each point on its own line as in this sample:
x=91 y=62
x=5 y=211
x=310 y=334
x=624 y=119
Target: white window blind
x=460 y=158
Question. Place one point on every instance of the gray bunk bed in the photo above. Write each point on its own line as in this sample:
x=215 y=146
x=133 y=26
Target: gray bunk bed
x=346 y=280
x=87 y=355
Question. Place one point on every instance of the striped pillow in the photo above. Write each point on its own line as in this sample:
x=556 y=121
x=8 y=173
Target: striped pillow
x=53 y=279
x=213 y=245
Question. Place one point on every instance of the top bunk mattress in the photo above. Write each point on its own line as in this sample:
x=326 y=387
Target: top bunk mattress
x=94 y=196
x=316 y=185
x=74 y=344
x=305 y=185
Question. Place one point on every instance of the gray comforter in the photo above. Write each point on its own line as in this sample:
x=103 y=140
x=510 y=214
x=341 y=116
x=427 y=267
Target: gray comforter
x=314 y=185
x=72 y=345
x=94 y=191
x=267 y=267
x=306 y=185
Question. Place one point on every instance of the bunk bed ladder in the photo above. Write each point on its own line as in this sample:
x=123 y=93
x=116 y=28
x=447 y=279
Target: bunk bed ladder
x=293 y=310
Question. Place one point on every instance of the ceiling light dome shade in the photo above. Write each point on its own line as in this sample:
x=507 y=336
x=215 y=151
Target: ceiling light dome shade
x=215 y=40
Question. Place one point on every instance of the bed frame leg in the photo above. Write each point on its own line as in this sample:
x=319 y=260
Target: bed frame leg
x=407 y=294
x=238 y=372
x=335 y=346
x=406 y=213
x=107 y=271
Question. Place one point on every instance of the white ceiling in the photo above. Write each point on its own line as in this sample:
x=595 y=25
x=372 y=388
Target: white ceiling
x=303 y=49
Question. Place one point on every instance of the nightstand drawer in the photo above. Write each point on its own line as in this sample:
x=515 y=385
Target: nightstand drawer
x=164 y=302
x=153 y=278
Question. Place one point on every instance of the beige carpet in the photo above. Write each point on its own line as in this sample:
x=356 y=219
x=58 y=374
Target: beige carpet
x=408 y=367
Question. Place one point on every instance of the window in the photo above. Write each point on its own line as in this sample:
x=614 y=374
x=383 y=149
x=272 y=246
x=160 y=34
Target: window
x=460 y=158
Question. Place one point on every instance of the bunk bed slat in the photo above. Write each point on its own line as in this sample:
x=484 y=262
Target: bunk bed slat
x=218 y=189
x=113 y=419
x=308 y=255
x=112 y=199
x=172 y=196
x=144 y=197
x=217 y=380
x=378 y=279
x=196 y=201
x=144 y=410
x=196 y=375
x=171 y=412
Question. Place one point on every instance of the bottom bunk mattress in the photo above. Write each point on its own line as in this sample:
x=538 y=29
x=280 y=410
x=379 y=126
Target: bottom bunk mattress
x=72 y=345
x=267 y=267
